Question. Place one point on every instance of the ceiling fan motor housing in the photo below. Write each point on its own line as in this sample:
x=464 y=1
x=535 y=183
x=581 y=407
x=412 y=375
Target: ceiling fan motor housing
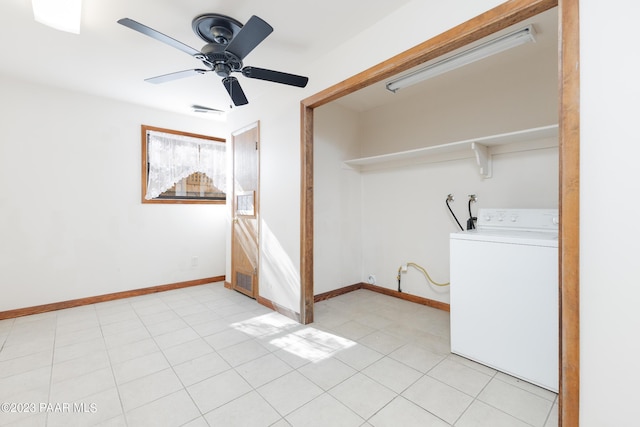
x=216 y=57
x=222 y=69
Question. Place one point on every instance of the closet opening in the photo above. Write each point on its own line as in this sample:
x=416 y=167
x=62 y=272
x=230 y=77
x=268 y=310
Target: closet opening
x=493 y=21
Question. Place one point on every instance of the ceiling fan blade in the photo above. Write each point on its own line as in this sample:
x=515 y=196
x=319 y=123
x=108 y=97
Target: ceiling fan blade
x=249 y=36
x=235 y=91
x=174 y=76
x=275 y=76
x=141 y=28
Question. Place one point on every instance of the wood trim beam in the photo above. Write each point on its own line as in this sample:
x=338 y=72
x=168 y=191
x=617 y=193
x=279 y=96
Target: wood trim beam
x=306 y=215
x=569 y=233
x=9 y=314
x=182 y=133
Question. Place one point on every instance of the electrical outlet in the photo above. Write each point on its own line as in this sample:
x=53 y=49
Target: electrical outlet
x=372 y=279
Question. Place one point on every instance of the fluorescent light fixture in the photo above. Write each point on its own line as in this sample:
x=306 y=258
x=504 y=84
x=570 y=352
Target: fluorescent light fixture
x=63 y=15
x=458 y=60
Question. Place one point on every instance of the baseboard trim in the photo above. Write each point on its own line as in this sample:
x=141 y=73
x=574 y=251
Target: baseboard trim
x=9 y=314
x=408 y=297
x=271 y=305
x=337 y=292
x=282 y=310
x=386 y=291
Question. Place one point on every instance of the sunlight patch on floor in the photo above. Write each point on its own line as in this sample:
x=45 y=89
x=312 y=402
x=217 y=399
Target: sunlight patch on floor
x=312 y=344
x=265 y=325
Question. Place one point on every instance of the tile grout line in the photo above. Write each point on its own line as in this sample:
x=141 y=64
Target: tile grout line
x=502 y=411
x=184 y=386
x=113 y=374
x=161 y=350
x=53 y=356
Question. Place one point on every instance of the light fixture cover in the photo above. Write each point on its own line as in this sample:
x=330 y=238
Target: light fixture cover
x=63 y=15
x=484 y=50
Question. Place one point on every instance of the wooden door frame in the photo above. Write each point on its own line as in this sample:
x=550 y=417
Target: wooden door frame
x=255 y=125
x=496 y=19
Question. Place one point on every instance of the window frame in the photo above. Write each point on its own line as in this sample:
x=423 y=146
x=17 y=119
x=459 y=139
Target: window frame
x=145 y=167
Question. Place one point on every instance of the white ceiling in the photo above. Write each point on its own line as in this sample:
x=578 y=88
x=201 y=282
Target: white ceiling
x=110 y=60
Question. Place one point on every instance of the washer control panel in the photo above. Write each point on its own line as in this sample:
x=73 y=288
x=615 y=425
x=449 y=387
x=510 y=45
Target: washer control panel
x=518 y=219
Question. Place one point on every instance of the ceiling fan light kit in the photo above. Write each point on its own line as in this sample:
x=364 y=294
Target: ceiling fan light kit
x=228 y=43
x=63 y=15
x=484 y=50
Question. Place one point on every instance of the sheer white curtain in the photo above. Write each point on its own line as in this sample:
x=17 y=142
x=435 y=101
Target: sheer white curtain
x=213 y=163
x=175 y=157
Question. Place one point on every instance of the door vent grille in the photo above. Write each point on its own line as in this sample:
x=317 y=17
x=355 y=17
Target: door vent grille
x=244 y=281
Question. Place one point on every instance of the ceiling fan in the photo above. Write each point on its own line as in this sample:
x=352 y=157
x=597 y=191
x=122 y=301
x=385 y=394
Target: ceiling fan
x=228 y=43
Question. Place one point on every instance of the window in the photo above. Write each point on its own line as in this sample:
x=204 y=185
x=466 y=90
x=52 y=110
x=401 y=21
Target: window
x=181 y=167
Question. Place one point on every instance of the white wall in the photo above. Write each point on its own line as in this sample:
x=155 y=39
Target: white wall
x=401 y=214
x=480 y=99
x=71 y=221
x=609 y=239
x=371 y=222
x=405 y=218
x=279 y=211
x=279 y=115
x=337 y=199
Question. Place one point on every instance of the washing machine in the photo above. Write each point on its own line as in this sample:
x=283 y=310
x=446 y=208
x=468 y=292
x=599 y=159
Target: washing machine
x=504 y=293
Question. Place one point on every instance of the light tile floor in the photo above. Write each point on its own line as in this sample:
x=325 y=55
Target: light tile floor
x=208 y=356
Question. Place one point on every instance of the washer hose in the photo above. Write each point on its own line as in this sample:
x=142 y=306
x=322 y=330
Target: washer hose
x=471 y=222
x=449 y=198
x=423 y=270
